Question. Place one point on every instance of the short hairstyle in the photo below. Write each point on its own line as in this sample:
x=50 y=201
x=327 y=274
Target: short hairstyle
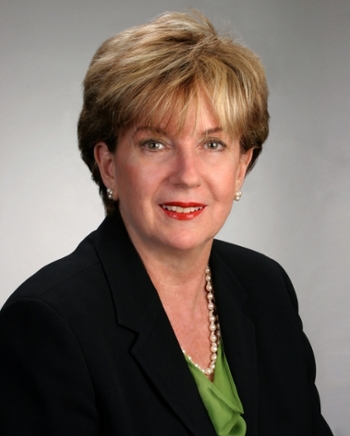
x=150 y=72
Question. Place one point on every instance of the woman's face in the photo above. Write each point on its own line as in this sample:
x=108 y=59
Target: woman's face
x=176 y=190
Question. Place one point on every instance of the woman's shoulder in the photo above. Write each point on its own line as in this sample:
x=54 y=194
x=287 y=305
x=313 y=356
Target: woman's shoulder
x=255 y=271
x=246 y=258
x=56 y=280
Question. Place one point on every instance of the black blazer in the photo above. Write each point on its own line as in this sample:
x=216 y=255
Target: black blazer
x=87 y=349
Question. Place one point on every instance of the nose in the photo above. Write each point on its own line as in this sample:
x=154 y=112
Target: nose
x=185 y=172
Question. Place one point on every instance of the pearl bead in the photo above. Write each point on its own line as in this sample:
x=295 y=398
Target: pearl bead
x=214 y=328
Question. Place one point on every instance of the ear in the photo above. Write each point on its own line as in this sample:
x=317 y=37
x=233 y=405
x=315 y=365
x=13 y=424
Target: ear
x=106 y=164
x=244 y=162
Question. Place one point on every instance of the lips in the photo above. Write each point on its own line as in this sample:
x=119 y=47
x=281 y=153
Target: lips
x=182 y=211
x=179 y=209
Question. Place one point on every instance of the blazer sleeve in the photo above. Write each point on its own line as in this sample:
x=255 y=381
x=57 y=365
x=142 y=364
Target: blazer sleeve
x=320 y=426
x=45 y=384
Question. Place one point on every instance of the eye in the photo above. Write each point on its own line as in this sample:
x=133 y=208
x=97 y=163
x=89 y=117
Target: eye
x=215 y=145
x=152 y=145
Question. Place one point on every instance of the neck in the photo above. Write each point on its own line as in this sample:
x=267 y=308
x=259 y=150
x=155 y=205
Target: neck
x=176 y=274
x=178 y=277
x=181 y=280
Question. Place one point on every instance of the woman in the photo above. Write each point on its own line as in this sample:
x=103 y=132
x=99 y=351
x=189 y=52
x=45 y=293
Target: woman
x=151 y=327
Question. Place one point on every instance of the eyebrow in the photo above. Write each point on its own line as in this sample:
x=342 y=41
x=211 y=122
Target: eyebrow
x=150 y=128
x=214 y=130
x=163 y=132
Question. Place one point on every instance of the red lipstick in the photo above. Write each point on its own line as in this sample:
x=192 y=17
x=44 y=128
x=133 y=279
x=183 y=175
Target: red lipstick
x=182 y=210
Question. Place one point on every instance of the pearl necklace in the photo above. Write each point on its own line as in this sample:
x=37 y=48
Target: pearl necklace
x=214 y=327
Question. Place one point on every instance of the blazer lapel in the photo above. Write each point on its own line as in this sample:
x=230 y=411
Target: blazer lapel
x=159 y=354
x=238 y=334
x=139 y=308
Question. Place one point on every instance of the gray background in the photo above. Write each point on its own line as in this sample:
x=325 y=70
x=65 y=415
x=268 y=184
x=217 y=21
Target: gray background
x=295 y=206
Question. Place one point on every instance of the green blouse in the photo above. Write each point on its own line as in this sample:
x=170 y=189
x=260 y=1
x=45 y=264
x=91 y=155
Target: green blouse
x=220 y=397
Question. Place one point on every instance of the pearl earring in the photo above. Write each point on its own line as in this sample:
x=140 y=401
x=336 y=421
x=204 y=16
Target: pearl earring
x=109 y=194
x=238 y=195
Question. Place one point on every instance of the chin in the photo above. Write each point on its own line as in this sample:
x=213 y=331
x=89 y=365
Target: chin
x=188 y=243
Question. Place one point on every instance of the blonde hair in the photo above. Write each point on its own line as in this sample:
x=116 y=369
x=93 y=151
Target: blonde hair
x=151 y=72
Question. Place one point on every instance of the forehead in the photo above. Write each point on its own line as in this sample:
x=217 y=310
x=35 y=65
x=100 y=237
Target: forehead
x=191 y=131
x=182 y=117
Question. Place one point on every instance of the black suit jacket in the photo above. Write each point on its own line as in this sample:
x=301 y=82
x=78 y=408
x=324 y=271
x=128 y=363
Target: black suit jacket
x=87 y=349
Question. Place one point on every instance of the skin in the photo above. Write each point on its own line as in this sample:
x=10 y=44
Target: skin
x=175 y=191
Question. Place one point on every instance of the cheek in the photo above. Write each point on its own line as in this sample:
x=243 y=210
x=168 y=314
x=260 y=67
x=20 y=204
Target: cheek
x=134 y=184
x=225 y=186
x=125 y=175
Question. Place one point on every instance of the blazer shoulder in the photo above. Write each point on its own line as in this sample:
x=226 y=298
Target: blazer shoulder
x=244 y=258
x=60 y=273
x=255 y=270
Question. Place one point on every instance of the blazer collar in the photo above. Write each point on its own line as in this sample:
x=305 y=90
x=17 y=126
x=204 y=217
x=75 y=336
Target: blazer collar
x=138 y=307
x=156 y=349
x=238 y=335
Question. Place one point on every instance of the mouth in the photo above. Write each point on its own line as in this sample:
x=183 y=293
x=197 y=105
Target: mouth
x=182 y=211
